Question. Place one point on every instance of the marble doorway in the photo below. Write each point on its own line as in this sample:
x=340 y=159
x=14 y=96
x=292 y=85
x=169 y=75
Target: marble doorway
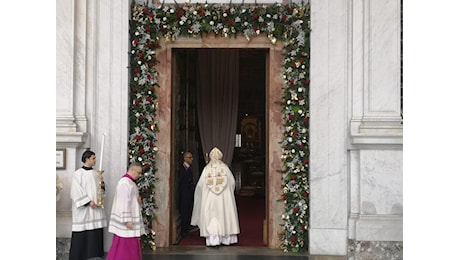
x=166 y=224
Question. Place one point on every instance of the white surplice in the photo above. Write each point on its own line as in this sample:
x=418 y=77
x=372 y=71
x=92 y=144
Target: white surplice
x=126 y=208
x=82 y=191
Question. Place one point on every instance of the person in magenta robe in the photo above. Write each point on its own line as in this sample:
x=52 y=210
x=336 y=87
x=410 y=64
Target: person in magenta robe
x=126 y=222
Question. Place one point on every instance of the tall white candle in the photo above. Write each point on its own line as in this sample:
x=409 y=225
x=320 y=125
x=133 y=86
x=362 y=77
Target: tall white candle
x=102 y=152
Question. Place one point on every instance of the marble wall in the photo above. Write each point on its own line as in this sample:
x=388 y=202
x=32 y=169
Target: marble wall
x=356 y=129
x=92 y=44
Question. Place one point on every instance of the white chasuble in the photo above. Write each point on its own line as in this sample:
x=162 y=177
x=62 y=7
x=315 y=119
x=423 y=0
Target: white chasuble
x=216 y=180
x=214 y=210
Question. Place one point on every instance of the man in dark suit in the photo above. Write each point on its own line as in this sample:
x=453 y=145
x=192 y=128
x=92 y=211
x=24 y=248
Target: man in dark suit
x=186 y=193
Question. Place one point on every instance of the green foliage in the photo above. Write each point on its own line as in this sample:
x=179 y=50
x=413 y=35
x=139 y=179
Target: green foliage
x=290 y=24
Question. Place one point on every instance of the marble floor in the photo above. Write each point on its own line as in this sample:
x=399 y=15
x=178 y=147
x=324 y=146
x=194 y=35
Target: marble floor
x=228 y=253
x=209 y=253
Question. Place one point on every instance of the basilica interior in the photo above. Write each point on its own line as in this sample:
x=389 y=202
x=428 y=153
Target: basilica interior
x=249 y=155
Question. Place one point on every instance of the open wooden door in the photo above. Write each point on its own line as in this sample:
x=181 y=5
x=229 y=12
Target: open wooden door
x=186 y=135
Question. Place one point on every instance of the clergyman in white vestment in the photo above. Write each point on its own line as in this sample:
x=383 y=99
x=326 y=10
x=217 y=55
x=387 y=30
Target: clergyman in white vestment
x=214 y=210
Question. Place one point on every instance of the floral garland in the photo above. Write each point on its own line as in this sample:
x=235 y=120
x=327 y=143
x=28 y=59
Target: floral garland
x=142 y=113
x=295 y=144
x=288 y=23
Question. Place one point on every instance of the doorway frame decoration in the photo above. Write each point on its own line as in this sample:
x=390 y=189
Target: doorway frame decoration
x=289 y=23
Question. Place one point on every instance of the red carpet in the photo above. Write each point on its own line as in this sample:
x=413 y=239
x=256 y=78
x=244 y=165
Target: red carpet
x=251 y=213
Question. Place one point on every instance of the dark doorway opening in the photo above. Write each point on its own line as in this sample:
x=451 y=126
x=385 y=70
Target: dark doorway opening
x=249 y=155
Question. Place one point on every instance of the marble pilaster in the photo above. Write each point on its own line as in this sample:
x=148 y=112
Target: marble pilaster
x=71 y=89
x=92 y=51
x=111 y=94
x=376 y=59
x=375 y=142
x=376 y=212
x=328 y=170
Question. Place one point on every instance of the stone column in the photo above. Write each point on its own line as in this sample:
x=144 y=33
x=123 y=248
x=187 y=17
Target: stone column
x=111 y=93
x=328 y=91
x=376 y=130
x=71 y=51
x=73 y=85
x=92 y=43
x=356 y=130
x=375 y=55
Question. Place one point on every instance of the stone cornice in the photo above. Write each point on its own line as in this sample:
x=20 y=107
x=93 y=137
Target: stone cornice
x=70 y=139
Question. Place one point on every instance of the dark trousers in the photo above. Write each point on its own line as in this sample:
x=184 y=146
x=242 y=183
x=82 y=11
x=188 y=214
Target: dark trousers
x=185 y=210
x=87 y=244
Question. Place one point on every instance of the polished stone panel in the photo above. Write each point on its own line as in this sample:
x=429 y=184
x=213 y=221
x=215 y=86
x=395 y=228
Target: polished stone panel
x=375 y=250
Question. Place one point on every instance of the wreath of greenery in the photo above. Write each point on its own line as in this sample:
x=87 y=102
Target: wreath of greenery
x=288 y=23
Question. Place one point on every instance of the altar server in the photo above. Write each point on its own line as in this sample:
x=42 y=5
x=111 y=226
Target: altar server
x=88 y=220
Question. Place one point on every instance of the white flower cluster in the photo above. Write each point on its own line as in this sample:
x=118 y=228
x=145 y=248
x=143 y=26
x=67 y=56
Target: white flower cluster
x=173 y=21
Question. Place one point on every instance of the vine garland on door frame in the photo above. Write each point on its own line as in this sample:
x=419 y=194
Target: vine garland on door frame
x=287 y=23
